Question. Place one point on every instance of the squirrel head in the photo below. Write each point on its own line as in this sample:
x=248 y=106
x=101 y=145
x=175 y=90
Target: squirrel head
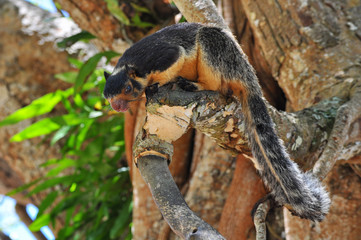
x=124 y=85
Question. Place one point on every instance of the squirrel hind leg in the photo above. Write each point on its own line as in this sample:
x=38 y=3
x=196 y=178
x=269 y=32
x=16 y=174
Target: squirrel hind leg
x=151 y=90
x=187 y=85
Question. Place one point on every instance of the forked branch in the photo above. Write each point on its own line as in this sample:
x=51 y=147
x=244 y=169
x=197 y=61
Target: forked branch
x=217 y=117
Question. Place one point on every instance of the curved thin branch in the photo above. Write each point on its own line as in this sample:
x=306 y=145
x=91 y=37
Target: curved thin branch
x=346 y=114
x=219 y=118
x=214 y=116
x=260 y=219
x=170 y=202
x=201 y=11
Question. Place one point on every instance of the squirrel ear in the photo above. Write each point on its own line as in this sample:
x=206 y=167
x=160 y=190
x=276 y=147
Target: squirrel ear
x=132 y=71
x=106 y=75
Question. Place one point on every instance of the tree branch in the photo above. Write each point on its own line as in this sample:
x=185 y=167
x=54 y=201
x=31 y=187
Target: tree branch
x=260 y=219
x=222 y=120
x=201 y=11
x=219 y=118
x=304 y=131
x=346 y=115
x=176 y=212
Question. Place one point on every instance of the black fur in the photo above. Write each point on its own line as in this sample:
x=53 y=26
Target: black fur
x=114 y=84
x=288 y=185
x=106 y=75
x=186 y=85
x=217 y=49
x=136 y=84
x=151 y=90
x=161 y=49
x=232 y=63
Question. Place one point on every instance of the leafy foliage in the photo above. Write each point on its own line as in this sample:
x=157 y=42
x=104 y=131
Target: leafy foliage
x=137 y=12
x=117 y=11
x=88 y=187
x=83 y=36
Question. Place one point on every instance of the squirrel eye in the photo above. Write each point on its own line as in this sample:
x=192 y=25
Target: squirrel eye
x=128 y=89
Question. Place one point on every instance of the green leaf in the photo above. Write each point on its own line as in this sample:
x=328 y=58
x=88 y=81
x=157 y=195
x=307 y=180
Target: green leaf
x=65 y=232
x=139 y=8
x=73 y=187
x=49 y=125
x=62 y=132
x=115 y=10
x=79 y=216
x=109 y=55
x=37 y=107
x=82 y=36
x=23 y=187
x=183 y=19
x=47 y=201
x=68 y=105
x=82 y=134
x=66 y=180
x=86 y=70
x=89 y=193
x=67 y=76
x=102 y=213
x=62 y=164
x=57 y=5
x=136 y=21
x=78 y=101
x=76 y=62
x=42 y=127
x=72 y=200
x=72 y=119
x=70 y=143
x=121 y=220
x=40 y=222
x=90 y=66
x=129 y=236
x=50 y=162
x=68 y=217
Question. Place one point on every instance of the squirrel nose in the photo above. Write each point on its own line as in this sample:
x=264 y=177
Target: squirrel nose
x=118 y=104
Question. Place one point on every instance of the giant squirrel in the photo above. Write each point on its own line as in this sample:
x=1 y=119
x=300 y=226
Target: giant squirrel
x=211 y=58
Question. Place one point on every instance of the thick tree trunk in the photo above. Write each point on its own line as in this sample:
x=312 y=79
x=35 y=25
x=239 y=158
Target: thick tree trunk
x=28 y=63
x=29 y=60
x=310 y=65
x=313 y=51
x=304 y=52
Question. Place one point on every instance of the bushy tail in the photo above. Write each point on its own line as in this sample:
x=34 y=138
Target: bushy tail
x=301 y=193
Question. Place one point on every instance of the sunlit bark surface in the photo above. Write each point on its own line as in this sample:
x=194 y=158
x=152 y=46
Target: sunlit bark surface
x=304 y=52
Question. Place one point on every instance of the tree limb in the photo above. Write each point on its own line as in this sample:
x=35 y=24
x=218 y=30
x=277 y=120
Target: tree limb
x=346 y=114
x=201 y=11
x=222 y=120
x=221 y=123
x=218 y=117
x=260 y=219
x=176 y=212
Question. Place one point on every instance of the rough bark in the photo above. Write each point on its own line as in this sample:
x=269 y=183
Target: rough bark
x=331 y=142
x=25 y=74
x=170 y=202
x=312 y=50
x=213 y=115
x=280 y=49
x=29 y=60
x=95 y=17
